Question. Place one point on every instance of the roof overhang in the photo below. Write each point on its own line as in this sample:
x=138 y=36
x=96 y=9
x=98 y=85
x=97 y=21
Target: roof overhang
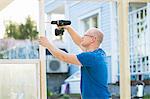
x=4 y=3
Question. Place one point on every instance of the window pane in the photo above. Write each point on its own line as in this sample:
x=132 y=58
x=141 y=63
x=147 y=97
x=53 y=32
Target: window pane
x=18 y=81
x=90 y=22
x=95 y=21
x=86 y=24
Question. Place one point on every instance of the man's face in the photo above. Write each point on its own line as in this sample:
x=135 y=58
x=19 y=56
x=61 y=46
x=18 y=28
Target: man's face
x=87 y=39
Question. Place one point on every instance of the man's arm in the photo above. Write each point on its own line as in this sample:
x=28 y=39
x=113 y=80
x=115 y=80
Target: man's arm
x=68 y=58
x=74 y=35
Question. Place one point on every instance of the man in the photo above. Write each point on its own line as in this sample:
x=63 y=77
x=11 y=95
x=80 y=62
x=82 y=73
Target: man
x=92 y=61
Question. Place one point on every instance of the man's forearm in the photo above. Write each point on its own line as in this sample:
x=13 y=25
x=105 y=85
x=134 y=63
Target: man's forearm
x=57 y=53
x=63 y=56
x=74 y=35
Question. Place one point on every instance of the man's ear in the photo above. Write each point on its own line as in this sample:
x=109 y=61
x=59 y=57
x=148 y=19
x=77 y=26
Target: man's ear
x=93 y=39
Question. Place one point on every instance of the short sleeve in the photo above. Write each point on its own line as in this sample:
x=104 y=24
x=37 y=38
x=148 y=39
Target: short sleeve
x=86 y=59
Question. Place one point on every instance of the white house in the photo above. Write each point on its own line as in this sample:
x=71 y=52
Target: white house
x=86 y=14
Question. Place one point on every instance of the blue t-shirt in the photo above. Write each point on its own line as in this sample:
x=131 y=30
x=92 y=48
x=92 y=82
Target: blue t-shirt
x=94 y=75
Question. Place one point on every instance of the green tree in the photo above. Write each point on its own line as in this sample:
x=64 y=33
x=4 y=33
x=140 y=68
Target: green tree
x=22 y=31
x=11 y=29
x=1 y=56
x=31 y=29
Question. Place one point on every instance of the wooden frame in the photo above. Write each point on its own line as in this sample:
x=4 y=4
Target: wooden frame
x=140 y=1
x=125 y=89
x=43 y=89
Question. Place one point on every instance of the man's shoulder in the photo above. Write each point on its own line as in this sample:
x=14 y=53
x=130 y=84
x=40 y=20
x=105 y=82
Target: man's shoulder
x=99 y=51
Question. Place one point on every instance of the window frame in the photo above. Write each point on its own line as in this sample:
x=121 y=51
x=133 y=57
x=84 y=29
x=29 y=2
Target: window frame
x=88 y=15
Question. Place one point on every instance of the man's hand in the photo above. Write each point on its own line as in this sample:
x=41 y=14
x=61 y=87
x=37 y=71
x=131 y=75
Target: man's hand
x=65 y=27
x=44 y=41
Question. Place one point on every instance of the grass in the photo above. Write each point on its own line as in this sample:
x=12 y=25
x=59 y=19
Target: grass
x=146 y=96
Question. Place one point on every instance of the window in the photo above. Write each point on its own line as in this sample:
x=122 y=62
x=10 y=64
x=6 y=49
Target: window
x=19 y=81
x=91 y=21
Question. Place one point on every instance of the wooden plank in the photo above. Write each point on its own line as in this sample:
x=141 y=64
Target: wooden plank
x=43 y=89
x=139 y=1
x=19 y=61
x=124 y=50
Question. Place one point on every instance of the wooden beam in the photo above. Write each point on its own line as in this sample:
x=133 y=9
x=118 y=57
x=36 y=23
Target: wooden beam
x=139 y=1
x=43 y=89
x=124 y=49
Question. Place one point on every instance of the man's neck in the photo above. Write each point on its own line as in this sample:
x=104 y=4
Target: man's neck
x=90 y=49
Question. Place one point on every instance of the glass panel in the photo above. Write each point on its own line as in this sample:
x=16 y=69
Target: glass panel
x=95 y=21
x=89 y=24
x=18 y=81
x=86 y=24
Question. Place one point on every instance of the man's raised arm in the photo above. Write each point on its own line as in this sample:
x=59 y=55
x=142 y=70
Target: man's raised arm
x=74 y=35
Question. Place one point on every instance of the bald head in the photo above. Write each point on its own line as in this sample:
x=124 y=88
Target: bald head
x=97 y=33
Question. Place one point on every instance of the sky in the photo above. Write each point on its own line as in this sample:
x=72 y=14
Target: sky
x=18 y=11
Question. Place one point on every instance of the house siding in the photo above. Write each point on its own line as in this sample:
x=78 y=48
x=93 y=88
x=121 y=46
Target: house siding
x=80 y=9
